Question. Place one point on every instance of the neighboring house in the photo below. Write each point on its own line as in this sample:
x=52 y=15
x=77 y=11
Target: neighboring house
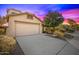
x=20 y=24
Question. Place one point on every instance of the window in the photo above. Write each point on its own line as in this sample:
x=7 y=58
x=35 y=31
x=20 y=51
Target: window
x=13 y=13
x=29 y=17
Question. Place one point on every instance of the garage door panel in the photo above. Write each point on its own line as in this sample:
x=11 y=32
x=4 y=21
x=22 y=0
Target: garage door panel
x=27 y=29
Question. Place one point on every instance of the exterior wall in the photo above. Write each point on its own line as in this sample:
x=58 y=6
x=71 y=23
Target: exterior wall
x=12 y=19
x=24 y=18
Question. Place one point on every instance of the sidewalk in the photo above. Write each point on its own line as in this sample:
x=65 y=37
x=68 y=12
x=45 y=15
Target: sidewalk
x=75 y=40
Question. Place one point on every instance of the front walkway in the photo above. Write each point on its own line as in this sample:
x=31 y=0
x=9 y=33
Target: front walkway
x=45 y=45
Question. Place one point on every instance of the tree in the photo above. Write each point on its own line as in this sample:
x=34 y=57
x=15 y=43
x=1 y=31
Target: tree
x=53 y=19
x=72 y=23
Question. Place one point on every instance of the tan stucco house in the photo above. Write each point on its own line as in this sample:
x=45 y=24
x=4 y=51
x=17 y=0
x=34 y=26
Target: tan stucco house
x=20 y=24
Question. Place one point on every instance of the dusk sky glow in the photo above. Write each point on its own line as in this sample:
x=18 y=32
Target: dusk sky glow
x=40 y=10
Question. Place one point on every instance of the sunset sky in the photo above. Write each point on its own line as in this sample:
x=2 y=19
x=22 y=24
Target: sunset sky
x=40 y=10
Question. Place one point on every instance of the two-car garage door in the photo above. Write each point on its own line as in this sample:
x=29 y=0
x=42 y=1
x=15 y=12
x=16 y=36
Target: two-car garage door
x=26 y=28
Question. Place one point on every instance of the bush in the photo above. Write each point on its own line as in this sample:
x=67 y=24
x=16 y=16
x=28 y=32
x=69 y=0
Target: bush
x=68 y=36
x=77 y=27
x=7 y=44
x=68 y=29
x=59 y=33
x=49 y=30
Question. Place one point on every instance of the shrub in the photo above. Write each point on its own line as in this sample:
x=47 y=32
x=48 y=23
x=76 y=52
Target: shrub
x=59 y=33
x=68 y=36
x=7 y=44
x=68 y=28
x=77 y=27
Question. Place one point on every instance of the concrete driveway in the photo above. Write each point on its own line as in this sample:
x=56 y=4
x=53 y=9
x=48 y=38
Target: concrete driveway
x=42 y=44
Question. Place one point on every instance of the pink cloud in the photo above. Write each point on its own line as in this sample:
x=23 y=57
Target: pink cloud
x=73 y=14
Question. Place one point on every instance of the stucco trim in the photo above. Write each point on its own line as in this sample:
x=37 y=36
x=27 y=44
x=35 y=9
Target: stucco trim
x=13 y=9
x=27 y=22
